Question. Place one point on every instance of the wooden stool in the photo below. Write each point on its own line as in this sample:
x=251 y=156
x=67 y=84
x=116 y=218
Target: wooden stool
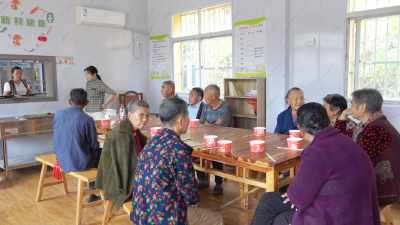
x=108 y=217
x=84 y=178
x=387 y=214
x=48 y=160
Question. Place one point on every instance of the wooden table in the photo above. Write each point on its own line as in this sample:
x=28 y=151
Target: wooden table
x=241 y=157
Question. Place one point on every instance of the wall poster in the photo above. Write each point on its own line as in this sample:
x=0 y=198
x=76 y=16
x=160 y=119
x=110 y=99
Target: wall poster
x=159 y=47
x=250 y=48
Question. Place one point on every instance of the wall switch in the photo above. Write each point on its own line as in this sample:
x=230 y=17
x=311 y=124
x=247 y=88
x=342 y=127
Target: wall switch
x=311 y=41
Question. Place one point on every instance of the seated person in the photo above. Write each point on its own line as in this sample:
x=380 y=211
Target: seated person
x=196 y=103
x=287 y=120
x=119 y=156
x=165 y=190
x=379 y=139
x=335 y=183
x=75 y=137
x=219 y=113
x=335 y=104
x=168 y=89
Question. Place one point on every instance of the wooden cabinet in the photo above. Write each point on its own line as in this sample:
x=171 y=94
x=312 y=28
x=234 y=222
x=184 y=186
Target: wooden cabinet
x=243 y=112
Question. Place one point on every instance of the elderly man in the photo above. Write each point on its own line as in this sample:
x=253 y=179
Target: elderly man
x=215 y=112
x=168 y=89
x=119 y=156
x=75 y=137
x=379 y=139
x=196 y=104
x=165 y=190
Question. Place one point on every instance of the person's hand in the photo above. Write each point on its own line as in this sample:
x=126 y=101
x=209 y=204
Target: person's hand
x=219 y=121
x=207 y=123
x=287 y=200
x=345 y=114
x=104 y=106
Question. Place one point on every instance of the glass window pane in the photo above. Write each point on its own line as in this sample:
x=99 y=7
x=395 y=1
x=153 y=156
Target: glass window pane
x=186 y=65
x=185 y=24
x=217 y=61
x=360 y=5
x=216 y=18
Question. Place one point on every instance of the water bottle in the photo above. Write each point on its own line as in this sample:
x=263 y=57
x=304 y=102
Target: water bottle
x=122 y=112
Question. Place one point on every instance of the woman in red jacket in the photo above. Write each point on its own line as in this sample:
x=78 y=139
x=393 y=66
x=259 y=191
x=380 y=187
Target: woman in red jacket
x=379 y=139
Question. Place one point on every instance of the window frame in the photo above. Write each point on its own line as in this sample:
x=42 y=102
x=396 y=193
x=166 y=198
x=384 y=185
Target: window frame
x=199 y=37
x=357 y=17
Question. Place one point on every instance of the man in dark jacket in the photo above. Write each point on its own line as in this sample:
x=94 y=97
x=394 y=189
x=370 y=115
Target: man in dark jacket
x=196 y=103
x=117 y=166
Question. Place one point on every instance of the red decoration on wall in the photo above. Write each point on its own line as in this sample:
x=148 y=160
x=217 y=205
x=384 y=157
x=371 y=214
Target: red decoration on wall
x=14 y=4
x=42 y=38
x=34 y=10
x=16 y=39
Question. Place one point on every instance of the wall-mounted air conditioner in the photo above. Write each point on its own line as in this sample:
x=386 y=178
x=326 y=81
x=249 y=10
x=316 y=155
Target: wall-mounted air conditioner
x=99 y=17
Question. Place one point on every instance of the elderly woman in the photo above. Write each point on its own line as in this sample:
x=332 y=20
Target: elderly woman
x=17 y=86
x=96 y=90
x=287 y=120
x=335 y=183
x=379 y=139
x=117 y=165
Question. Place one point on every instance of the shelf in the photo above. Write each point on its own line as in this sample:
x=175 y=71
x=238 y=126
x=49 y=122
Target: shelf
x=240 y=97
x=252 y=116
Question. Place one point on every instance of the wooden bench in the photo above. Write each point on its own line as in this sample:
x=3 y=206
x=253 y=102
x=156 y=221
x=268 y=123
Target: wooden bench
x=84 y=178
x=387 y=214
x=108 y=217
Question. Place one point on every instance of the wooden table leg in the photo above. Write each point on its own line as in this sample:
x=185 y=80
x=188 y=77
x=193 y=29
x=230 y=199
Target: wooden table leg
x=6 y=170
x=64 y=182
x=79 y=202
x=244 y=188
x=41 y=183
x=272 y=181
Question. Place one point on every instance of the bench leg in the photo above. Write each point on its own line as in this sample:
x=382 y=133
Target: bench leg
x=79 y=202
x=107 y=212
x=388 y=217
x=41 y=183
x=64 y=182
x=244 y=188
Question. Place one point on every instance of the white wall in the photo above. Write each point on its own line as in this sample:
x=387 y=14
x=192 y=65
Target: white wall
x=109 y=49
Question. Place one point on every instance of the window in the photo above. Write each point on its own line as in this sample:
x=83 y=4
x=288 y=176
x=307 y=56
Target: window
x=373 y=50
x=39 y=72
x=202 y=47
x=360 y=5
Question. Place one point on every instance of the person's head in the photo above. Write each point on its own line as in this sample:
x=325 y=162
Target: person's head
x=168 y=89
x=138 y=113
x=174 y=115
x=16 y=73
x=78 y=98
x=312 y=118
x=211 y=93
x=91 y=73
x=196 y=95
x=295 y=98
x=365 y=102
x=335 y=104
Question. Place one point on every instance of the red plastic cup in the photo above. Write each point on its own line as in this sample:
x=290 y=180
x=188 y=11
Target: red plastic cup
x=294 y=134
x=294 y=143
x=257 y=146
x=210 y=141
x=105 y=122
x=155 y=130
x=224 y=146
x=194 y=123
x=259 y=131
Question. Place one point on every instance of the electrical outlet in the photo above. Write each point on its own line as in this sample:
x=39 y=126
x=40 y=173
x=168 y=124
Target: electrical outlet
x=138 y=44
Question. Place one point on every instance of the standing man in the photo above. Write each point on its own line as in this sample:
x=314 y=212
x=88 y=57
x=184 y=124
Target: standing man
x=168 y=89
x=196 y=104
x=219 y=113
